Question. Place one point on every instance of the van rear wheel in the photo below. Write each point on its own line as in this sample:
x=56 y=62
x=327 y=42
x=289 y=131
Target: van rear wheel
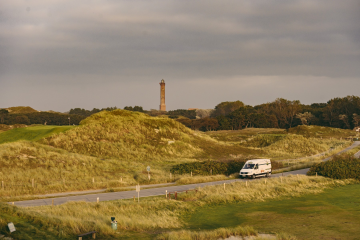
x=267 y=175
x=253 y=176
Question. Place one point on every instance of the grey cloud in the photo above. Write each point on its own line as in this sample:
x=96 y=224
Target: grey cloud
x=123 y=42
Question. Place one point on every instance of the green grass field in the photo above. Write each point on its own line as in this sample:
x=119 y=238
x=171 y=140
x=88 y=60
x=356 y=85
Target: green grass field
x=334 y=214
x=31 y=133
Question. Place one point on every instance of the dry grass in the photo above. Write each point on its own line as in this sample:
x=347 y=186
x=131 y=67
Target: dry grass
x=157 y=212
x=110 y=146
x=187 y=179
x=208 y=235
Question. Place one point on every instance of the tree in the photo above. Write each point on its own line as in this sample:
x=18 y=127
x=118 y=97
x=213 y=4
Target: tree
x=356 y=120
x=22 y=119
x=203 y=113
x=226 y=108
x=3 y=114
x=305 y=117
x=345 y=119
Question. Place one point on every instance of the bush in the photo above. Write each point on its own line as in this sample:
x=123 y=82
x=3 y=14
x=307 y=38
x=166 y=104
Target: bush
x=226 y=168
x=204 y=168
x=340 y=167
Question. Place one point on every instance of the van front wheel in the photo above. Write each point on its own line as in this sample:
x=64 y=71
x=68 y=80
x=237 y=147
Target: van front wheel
x=253 y=176
x=267 y=175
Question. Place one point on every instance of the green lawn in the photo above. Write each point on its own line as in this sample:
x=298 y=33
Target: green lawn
x=334 y=214
x=31 y=133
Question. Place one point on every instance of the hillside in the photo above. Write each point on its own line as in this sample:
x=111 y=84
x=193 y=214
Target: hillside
x=21 y=109
x=113 y=149
x=35 y=133
x=127 y=135
x=321 y=132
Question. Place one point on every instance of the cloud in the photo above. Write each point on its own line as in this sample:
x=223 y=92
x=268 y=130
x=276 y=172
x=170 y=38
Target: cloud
x=114 y=43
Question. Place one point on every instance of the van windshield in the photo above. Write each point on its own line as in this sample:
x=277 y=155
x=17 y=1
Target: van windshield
x=249 y=166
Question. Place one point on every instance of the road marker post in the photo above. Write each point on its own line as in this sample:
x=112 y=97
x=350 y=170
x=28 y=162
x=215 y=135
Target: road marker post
x=138 y=191
x=97 y=200
x=166 y=194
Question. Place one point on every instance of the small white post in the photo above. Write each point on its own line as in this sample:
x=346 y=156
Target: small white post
x=121 y=179
x=93 y=180
x=265 y=181
x=97 y=200
x=246 y=183
x=166 y=194
x=170 y=176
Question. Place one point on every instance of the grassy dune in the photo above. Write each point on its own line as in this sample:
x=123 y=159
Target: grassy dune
x=114 y=148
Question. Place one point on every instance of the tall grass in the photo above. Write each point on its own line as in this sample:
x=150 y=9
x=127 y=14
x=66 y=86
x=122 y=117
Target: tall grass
x=157 y=212
x=127 y=135
x=56 y=170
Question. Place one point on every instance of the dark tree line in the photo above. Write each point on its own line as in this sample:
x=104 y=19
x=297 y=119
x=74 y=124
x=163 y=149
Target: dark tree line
x=46 y=118
x=281 y=113
x=87 y=113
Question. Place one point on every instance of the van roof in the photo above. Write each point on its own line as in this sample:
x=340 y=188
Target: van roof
x=258 y=160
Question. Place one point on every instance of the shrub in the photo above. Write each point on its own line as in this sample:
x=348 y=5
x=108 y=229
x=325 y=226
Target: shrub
x=340 y=167
x=226 y=168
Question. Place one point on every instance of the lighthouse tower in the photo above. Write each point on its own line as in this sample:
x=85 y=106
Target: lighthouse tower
x=162 y=96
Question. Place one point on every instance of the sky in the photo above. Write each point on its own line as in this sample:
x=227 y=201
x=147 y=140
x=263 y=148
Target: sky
x=63 y=54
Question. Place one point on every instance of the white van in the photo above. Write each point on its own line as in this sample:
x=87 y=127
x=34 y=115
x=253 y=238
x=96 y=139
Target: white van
x=256 y=168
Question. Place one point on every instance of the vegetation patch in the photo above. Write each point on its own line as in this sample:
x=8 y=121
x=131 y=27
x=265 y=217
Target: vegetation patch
x=339 y=167
x=156 y=214
x=208 y=235
x=321 y=132
x=22 y=132
x=332 y=214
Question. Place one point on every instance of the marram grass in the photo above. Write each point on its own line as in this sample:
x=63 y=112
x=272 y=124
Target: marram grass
x=157 y=213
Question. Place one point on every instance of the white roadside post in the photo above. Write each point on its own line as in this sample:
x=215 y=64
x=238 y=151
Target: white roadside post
x=138 y=191
x=148 y=170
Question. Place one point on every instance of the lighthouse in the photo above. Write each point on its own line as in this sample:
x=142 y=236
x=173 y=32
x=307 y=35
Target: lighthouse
x=162 y=96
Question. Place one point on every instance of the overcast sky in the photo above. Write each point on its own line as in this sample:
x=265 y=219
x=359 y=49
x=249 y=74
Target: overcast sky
x=61 y=54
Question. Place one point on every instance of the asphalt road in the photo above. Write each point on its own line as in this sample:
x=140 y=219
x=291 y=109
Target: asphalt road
x=147 y=192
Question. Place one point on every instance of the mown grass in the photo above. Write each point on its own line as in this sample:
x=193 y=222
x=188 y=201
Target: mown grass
x=332 y=214
x=156 y=214
x=208 y=235
x=31 y=133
